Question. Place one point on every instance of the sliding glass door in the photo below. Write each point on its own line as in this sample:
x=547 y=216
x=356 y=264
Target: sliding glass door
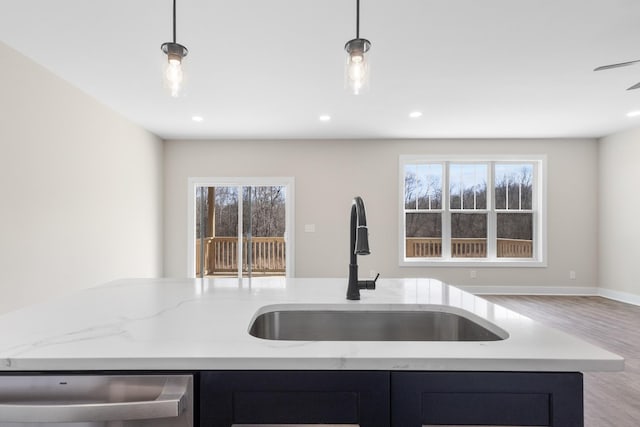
x=241 y=229
x=264 y=230
x=216 y=231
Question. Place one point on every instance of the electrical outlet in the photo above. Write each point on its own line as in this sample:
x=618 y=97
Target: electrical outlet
x=572 y=275
x=372 y=273
x=473 y=274
x=309 y=228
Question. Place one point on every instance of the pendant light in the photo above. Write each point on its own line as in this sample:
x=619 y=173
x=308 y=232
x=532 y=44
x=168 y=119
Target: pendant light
x=173 y=71
x=357 y=67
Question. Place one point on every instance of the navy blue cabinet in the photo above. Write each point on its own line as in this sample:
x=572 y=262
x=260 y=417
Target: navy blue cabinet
x=294 y=397
x=391 y=399
x=486 y=398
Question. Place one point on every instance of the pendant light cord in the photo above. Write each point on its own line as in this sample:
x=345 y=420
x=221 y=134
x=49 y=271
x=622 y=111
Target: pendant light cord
x=174 y=21
x=357 y=19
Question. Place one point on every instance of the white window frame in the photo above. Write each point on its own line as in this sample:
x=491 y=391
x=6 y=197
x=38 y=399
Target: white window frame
x=539 y=208
x=289 y=236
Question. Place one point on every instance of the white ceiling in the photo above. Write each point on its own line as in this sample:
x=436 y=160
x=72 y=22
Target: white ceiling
x=269 y=68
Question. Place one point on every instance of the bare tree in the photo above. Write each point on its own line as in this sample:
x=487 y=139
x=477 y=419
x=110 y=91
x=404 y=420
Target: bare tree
x=267 y=211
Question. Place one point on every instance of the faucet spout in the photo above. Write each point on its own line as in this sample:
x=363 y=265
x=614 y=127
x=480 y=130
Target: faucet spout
x=359 y=227
x=358 y=245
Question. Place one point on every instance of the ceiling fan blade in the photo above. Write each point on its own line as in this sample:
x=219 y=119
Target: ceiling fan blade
x=635 y=86
x=621 y=64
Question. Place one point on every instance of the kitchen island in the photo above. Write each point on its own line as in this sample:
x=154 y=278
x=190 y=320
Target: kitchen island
x=202 y=326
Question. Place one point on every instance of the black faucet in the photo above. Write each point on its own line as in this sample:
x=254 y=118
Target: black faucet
x=358 y=245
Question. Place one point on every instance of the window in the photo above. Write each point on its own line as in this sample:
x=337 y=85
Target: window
x=472 y=210
x=240 y=227
x=513 y=186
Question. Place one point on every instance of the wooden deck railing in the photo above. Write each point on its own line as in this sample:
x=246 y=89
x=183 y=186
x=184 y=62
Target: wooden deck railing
x=268 y=253
x=429 y=247
x=468 y=248
x=424 y=247
x=221 y=255
x=515 y=248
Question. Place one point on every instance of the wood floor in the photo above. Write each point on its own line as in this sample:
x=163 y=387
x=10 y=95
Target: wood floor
x=611 y=399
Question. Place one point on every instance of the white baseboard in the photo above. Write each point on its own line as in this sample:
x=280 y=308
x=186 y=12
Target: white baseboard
x=531 y=290
x=619 y=296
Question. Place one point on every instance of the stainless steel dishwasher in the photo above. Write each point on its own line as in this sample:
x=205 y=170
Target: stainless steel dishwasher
x=96 y=400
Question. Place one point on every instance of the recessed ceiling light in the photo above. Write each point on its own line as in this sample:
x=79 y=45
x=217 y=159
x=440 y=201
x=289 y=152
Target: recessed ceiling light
x=325 y=118
x=633 y=113
x=197 y=118
x=415 y=114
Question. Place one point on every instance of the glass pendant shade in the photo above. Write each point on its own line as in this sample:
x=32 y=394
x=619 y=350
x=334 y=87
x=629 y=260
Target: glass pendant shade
x=357 y=70
x=173 y=73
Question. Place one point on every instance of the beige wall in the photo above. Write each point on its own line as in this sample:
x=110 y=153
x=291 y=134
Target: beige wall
x=619 y=209
x=80 y=189
x=82 y=192
x=328 y=173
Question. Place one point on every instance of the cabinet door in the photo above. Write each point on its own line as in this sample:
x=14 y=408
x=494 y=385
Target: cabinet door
x=486 y=399
x=294 y=397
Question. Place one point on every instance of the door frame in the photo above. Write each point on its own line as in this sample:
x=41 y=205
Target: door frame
x=289 y=235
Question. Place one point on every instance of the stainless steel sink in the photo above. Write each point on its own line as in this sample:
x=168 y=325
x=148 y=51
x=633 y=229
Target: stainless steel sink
x=370 y=325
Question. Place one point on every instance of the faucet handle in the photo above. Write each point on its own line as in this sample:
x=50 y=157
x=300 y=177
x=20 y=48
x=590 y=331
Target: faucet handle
x=368 y=284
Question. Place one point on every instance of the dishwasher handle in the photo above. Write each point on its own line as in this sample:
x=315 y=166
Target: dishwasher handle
x=171 y=402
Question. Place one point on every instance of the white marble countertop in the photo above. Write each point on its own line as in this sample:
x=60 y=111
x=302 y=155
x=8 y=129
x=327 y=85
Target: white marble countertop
x=190 y=324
